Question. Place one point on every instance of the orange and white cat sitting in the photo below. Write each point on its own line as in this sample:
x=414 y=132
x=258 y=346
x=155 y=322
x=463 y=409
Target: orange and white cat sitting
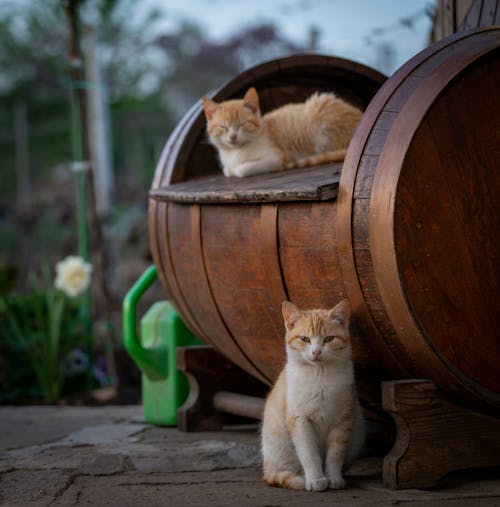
x=316 y=131
x=313 y=424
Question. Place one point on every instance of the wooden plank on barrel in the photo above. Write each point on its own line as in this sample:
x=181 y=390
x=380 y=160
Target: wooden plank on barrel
x=239 y=282
x=309 y=255
x=188 y=263
x=154 y=209
x=312 y=183
x=276 y=290
x=166 y=266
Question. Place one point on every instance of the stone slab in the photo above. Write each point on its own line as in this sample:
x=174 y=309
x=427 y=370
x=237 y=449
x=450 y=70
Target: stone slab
x=64 y=456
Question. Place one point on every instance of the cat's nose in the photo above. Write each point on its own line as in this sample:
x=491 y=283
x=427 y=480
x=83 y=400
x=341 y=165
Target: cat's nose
x=233 y=136
x=316 y=353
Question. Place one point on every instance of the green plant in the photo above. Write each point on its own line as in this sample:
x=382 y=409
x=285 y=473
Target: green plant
x=35 y=323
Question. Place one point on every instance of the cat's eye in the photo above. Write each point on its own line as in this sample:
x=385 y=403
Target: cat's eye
x=335 y=342
x=304 y=339
x=223 y=127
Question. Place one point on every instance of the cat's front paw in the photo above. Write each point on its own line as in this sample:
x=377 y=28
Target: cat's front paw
x=245 y=169
x=238 y=172
x=337 y=482
x=317 y=484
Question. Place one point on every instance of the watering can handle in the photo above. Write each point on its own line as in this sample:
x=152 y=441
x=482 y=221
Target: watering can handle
x=149 y=362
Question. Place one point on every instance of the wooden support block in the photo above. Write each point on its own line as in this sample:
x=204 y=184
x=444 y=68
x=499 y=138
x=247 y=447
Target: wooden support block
x=210 y=375
x=434 y=436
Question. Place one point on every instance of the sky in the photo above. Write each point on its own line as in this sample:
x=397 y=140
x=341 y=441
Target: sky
x=354 y=29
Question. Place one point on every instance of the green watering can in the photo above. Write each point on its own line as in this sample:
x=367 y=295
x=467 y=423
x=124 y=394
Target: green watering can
x=164 y=388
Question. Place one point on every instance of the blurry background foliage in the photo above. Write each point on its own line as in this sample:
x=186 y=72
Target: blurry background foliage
x=151 y=78
x=18 y=381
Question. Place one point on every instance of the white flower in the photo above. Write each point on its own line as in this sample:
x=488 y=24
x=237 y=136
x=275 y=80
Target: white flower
x=73 y=275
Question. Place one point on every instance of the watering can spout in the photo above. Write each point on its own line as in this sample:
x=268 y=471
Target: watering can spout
x=151 y=361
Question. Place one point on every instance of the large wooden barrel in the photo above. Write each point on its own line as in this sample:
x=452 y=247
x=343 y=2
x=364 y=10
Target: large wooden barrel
x=418 y=223
x=412 y=239
x=229 y=251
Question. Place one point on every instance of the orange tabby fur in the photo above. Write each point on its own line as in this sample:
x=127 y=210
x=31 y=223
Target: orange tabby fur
x=314 y=132
x=313 y=422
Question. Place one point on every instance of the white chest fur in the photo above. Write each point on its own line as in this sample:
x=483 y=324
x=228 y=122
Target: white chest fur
x=259 y=155
x=322 y=394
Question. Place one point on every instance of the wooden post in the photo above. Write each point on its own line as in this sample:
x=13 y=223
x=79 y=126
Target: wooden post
x=457 y=15
x=434 y=436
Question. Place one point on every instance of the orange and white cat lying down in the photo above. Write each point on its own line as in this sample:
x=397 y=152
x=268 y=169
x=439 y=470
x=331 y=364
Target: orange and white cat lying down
x=316 y=131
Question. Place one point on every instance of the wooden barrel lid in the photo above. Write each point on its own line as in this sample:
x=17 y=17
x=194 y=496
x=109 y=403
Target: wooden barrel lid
x=420 y=189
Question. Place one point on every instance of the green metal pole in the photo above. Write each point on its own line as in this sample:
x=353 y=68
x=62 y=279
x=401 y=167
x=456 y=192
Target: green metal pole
x=79 y=167
x=80 y=164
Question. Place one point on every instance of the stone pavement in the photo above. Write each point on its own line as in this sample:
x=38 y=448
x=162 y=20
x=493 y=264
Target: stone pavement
x=108 y=456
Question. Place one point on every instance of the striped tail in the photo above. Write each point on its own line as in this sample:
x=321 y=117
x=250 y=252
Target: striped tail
x=322 y=158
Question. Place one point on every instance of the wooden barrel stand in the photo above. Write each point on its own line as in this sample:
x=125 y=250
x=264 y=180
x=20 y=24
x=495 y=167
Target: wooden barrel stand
x=434 y=436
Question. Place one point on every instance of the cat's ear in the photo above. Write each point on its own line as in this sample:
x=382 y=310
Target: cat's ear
x=209 y=106
x=341 y=313
x=291 y=314
x=251 y=100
